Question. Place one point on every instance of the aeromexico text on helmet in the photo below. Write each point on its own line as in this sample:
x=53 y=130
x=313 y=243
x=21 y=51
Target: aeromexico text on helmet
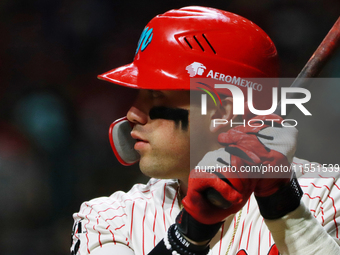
x=239 y=102
x=197 y=69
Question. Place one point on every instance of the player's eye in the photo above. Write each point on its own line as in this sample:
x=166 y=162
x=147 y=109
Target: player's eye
x=156 y=94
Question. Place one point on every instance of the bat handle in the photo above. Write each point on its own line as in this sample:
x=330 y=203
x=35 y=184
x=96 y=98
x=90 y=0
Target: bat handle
x=215 y=198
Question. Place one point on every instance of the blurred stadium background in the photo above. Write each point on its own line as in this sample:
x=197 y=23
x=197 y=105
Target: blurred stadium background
x=55 y=114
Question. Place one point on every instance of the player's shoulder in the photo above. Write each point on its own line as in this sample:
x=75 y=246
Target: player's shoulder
x=320 y=184
x=316 y=179
x=305 y=169
x=152 y=186
x=152 y=191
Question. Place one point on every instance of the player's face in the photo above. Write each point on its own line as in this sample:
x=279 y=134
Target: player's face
x=162 y=142
x=167 y=125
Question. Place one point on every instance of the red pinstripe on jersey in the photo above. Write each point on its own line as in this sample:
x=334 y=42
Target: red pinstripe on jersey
x=173 y=201
x=235 y=222
x=124 y=214
x=334 y=219
x=259 y=251
x=241 y=235
x=87 y=237
x=165 y=228
x=248 y=205
x=221 y=240
x=99 y=234
x=153 y=228
x=131 y=225
x=120 y=227
x=113 y=236
x=143 y=236
x=251 y=224
x=320 y=200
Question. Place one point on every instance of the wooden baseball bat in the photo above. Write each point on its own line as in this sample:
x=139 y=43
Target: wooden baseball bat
x=317 y=61
x=311 y=69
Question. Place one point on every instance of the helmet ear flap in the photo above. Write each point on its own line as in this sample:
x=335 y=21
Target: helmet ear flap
x=122 y=143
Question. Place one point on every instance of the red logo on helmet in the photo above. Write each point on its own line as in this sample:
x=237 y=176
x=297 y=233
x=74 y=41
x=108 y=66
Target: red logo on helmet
x=195 y=69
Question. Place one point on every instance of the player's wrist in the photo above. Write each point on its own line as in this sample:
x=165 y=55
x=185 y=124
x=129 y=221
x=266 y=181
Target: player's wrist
x=194 y=230
x=285 y=200
x=201 y=243
x=179 y=244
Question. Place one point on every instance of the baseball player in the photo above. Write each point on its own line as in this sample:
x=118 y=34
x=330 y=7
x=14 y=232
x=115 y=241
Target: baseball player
x=188 y=210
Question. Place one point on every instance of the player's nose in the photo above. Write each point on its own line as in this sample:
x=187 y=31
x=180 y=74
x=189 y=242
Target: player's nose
x=137 y=116
x=139 y=111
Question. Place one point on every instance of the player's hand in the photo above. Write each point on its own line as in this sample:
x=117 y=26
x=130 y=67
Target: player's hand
x=213 y=196
x=265 y=144
x=270 y=147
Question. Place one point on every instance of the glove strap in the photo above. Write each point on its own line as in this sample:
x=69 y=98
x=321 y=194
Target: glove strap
x=178 y=244
x=174 y=243
x=195 y=230
x=285 y=200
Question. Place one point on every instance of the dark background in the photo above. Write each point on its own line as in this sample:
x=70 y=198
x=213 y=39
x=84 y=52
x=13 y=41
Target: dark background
x=55 y=114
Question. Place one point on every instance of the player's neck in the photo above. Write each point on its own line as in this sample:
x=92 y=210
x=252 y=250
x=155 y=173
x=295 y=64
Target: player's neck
x=183 y=188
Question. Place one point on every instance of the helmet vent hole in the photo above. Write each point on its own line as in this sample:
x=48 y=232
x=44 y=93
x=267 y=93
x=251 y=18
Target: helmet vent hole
x=186 y=40
x=209 y=43
x=198 y=43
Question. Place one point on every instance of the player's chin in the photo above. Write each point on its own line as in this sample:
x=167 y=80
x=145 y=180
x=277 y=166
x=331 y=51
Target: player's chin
x=149 y=167
x=155 y=169
x=152 y=173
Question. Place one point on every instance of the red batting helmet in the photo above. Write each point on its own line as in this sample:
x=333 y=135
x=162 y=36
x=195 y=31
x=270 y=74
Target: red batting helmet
x=190 y=41
x=199 y=42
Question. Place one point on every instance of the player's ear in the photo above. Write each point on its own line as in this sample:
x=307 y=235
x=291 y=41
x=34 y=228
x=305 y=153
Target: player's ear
x=223 y=112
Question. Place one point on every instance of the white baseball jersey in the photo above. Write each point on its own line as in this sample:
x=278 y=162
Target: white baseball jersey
x=140 y=218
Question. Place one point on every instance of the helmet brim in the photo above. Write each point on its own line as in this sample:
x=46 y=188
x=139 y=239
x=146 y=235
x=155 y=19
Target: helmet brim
x=132 y=76
x=124 y=75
